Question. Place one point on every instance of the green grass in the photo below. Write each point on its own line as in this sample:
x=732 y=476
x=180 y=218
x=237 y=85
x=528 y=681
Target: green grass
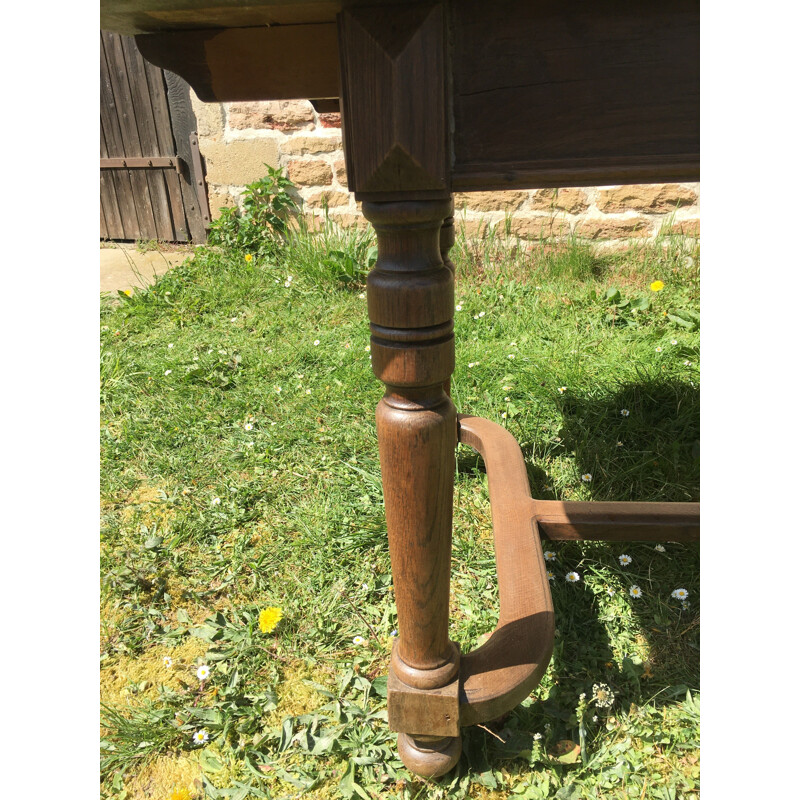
x=219 y=344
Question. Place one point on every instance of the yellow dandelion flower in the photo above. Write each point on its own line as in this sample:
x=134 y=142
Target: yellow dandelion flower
x=180 y=794
x=269 y=618
x=657 y=286
x=248 y=258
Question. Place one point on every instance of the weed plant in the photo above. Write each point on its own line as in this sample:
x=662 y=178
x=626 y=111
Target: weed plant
x=240 y=471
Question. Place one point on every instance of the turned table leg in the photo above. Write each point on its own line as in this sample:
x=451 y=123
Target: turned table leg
x=410 y=299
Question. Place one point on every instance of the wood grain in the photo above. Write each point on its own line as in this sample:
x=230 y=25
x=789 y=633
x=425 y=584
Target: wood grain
x=618 y=522
x=250 y=63
x=502 y=672
x=394 y=106
x=589 y=92
x=410 y=302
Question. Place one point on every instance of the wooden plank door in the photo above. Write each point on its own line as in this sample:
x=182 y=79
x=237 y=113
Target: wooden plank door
x=159 y=201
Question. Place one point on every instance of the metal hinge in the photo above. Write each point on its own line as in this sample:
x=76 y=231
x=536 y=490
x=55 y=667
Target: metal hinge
x=140 y=162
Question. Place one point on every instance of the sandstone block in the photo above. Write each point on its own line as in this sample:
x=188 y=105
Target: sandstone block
x=633 y=227
x=217 y=201
x=305 y=145
x=490 y=201
x=645 y=197
x=241 y=162
x=341 y=173
x=685 y=227
x=350 y=221
x=542 y=227
x=210 y=122
x=331 y=120
x=310 y=173
x=472 y=228
x=281 y=115
x=572 y=201
x=328 y=196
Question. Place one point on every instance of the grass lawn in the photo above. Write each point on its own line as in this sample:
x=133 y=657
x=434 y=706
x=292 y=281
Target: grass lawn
x=240 y=472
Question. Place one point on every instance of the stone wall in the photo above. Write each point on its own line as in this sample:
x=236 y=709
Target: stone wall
x=237 y=139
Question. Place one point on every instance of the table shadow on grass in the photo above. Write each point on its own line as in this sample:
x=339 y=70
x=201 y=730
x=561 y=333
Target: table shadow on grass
x=657 y=461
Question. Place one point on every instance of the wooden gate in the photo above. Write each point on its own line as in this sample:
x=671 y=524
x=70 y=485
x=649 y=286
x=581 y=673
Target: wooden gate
x=151 y=177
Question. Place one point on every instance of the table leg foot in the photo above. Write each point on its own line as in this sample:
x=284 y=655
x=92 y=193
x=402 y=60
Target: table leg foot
x=427 y=756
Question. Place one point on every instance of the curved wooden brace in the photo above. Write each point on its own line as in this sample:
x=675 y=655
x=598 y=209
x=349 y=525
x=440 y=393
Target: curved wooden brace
x=501 y=673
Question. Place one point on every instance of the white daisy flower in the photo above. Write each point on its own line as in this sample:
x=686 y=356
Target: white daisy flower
x=659 y=548
x=362 y=296
x=506 y=399
x=167 y=662
x=278 y=389
x=549 y=555
x=482 y=314
x=685 y=605
x=586 y=477
x=507 y=388
x=170 y=346
x=248 y=426
x=562 y=389
x=168 y=372
x=550 y=575
x=680 y=594
x=200 y=737
x=459 y=308
x=573 y=577
x=625 y=412
x=504 y=415
x=624 y=560
x=203 y=672
x=216 y=501
x=316 y=342
x=611 y=592
x=635 y=591
x=619 y=444
x=674 y=341
x=471 y=364
x=308 y=391
x=687 y=363
x=512 y=356
x=359 y=640
x=366 y=349
x=659 y=349
x=537 y=736
x=233 y=319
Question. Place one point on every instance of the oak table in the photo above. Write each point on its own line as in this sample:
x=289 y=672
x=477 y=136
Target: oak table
x=436 y=97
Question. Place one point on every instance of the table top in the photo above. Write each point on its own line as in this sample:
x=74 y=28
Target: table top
x=131 y=17
x=533 y=94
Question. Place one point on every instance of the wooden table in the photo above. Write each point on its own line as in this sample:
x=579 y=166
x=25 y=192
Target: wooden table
x=456 y=95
